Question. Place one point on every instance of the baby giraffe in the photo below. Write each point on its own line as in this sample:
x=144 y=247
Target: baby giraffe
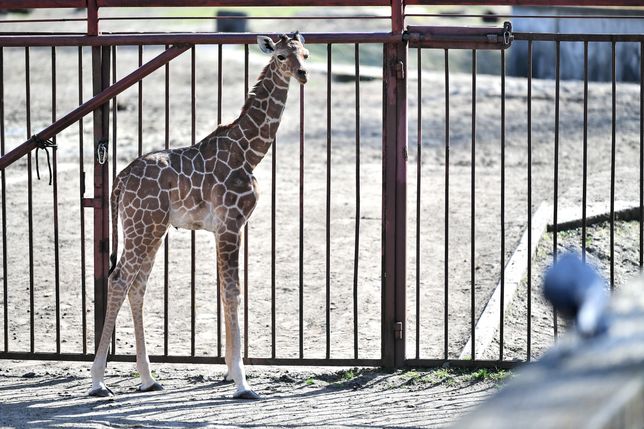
x=207 y=186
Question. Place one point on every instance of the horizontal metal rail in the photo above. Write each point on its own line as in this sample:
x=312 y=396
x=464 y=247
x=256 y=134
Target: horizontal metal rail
x=426 y=363
x=514 y=16
x=524 y=3
x=238 y=3
x=579 y=37
x=194 y=359
x=8 y=4
x=39 y=20
x=82 y=4
x=233 y=17
x=92 y=104
x=43 y=4
x=187 y=38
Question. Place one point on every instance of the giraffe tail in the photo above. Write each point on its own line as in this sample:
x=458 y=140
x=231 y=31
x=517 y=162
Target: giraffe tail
x=114 y=206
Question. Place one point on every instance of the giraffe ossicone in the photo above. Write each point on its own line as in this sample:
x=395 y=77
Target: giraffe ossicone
x=207 y=186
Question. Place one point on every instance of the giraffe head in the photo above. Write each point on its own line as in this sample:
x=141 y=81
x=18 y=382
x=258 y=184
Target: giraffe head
x=289 y=54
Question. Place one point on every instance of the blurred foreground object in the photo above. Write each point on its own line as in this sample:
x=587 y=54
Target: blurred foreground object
x=595 y=382
x=577 y=291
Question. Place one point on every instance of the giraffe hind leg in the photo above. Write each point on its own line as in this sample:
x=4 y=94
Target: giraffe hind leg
x=119 y=282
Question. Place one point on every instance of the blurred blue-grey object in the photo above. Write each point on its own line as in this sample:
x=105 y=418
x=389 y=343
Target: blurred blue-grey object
x=577 y=292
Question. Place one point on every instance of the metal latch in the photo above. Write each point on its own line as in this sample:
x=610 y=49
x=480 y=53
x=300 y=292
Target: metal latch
x=508 y=37
x=101 y=152
x=398 y=330
x=460 y=37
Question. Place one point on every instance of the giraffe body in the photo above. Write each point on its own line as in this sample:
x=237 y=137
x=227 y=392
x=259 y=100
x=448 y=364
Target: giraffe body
x=208 y=186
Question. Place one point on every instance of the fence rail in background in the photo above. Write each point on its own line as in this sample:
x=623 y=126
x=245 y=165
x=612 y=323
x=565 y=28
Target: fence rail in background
x=398 y=323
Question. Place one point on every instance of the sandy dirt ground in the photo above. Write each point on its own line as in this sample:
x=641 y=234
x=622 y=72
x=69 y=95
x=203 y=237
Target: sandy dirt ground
x=33 y=395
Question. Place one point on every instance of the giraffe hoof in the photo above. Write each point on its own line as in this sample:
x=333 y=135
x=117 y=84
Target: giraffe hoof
x=227 y=378
x=101 y=392
x=246 y=394
x=155 y=387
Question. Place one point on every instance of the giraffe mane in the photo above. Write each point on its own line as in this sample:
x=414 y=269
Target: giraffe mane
x=249 y=101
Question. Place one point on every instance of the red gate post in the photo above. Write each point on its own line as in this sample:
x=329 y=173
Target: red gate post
x=394 y=196
x=100 y=79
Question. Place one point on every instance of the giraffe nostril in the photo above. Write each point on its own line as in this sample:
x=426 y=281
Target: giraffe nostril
x=301 y=72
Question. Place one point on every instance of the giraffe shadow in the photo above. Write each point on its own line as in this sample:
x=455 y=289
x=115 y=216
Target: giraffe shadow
x=61 y=401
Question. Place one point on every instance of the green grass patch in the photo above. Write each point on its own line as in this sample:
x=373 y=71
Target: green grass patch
x=494 y=375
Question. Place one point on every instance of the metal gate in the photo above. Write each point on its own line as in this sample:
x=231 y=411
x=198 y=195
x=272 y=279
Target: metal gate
x=354 y=315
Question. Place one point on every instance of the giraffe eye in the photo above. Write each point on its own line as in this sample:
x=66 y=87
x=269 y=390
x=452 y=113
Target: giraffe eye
x=281 y=57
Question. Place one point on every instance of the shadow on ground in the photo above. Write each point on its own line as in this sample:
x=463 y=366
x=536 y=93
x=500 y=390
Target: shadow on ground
x=54 y=395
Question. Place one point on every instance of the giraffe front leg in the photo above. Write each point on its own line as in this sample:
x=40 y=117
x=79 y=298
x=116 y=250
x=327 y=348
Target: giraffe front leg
x=229 y=353
x=228 y=263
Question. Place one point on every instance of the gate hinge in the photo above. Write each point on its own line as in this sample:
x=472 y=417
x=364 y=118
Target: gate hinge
x=398 y=330
x=399 y=68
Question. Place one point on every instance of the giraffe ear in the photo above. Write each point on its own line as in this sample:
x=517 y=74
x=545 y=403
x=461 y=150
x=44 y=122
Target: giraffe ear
x=298 y=36
x=266 y=44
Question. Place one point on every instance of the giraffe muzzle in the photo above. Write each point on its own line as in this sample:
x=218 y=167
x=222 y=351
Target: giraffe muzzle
x=302 y=76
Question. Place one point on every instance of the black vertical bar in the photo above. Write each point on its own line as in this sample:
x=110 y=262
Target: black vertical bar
x=30 y=204
x=5 y=285
x=556 y=172
x=246 y=227
x=273 y=233
x=502 y=301
x=301 y=223
x=55 y=200
x=356 y=253
x=419 y=163
x=473 y=215
x=585 y=157
x=446 y=312
x=641 y=154
x=612 y=165
x=193 y=250
x=114 y=109
x=220 y=81
x=114 y=122
x=529 y=256
x=166 y=246
x=81 y=168
x=140 y=110
x=105 y=173
x=273 y=246
x=328 y=201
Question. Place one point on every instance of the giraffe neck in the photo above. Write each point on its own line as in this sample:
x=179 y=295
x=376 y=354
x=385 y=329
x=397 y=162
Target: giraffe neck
x=256 y=127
